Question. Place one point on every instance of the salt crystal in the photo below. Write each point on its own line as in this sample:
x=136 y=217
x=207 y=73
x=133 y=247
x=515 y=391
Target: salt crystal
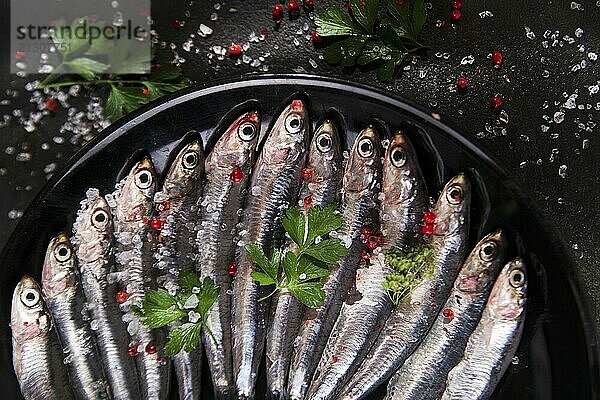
x=467 y=60
x=529 y=33
x=578 y=32
x=594 y=89
x=204 y=30
x=562 y=171
x=23 y=157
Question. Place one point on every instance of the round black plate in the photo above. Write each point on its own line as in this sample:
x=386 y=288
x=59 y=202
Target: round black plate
x=556 y=358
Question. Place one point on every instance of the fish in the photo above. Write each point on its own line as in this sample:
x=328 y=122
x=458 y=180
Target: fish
x=93 y=243
x=423 y=374
x=493 y=343
x=273 y=188
x=37 y=355
x=177 y=207
x=65 y=301
x=322 y=179
x=228 y=168
x=133 y=205
x=360 y=188
x=410 y=320
x=403 y=200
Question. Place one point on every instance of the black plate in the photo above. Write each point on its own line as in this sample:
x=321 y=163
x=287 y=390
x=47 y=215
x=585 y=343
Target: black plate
x=557 y=356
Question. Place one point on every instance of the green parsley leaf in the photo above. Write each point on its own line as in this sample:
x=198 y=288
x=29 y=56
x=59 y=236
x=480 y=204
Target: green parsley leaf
x=329 y=251
x=207 y=297
x=336 y=22
x=293 y=222
x=418 y=17
x=290 y=268
x=321 y=221
x=310 y=269
x=344 y=52
x=392 y=37
x=184 y=337
x=311 y=294
x=270 y=266
x=365 y=13
x=262 y=278
x=86 y=67
x=374 y=52
x=188 y=280
x=385 y=72
x=159 y=308
x=122 y=100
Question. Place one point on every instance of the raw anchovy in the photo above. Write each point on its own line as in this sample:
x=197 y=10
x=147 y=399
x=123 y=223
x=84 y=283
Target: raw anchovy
x=66 y=303
x=321 y=186
x=176 y=204
x=132 y=209
x=93 y=239
x=37 y=356
x=494 y=342
x=424 y=373
x=228 y=168
x=273 y=187
x=361 y=185
x=411 y=319
x=403 y=199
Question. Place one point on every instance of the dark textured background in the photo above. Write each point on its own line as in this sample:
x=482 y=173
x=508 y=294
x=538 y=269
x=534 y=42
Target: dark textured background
x=532 y=96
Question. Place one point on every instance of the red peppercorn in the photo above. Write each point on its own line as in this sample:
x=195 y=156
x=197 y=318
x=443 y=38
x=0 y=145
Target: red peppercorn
x=237 y=175
x=462 y=83
x=145 y=91
x=496 y=102
x=51 y=105
x=163 y=206
x=307 y=201
x=19 y=55
x=265 y=32
x=132 y=351
x=427 y=229
x=277 y=11
x=455 y=15
x=372 y=242
x=448 y=314
x=497 y=58
x=232 y=270
x=293 y=6
x=157 y=224
x=316 y=37
x=308 y=3
x=306 y=173
x=297 y=105
x=366 y=231
x=151 y=349
x=235 y=50
x=457 y=5
x=392 y=337
x=365 y=255
x=176 y=24
x=122 y=296
x=429 y=217
x=145 y=219
x=335 y=358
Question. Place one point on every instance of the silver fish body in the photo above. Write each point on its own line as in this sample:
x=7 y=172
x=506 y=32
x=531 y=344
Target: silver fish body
x=321 y=184
x=403 y=199
x=228 y=169
x=66 y=303
x=93 y=241
x=493 y=344
x=273 y=188
x=423 y=374
x=176 y=204
x=410 y=321
x=37 y=355
x=133 y=208
x=361 y=185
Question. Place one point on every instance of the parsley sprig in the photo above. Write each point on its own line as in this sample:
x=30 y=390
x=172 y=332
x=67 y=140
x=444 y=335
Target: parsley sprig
x=192 y=302
x=301 y=268
x=91 y=61
x=409 y=270
x=384 y=41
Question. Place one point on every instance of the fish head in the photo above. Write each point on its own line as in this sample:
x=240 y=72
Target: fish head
x=29 y=316
x=453 y=206
x=93 y=235
x=235 y=149
x=325 y=154
x=364 y=163
x=507 y=298
x=58 y=272
x=288 y=139
x=401 y=172
x=137 y=192
x=185 y=172
x=482 y=264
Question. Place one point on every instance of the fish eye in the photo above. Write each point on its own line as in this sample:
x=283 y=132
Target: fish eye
x=365 y=147
x=99 y=218
x=62 y=253
x=516 y=278
x=143 y=179
x=247 y=131
x=324 y=143
x=454 y=194
x=398 y=157
x=293 y=123
x=30 y=297
x=488 y=251
x=189 y=160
